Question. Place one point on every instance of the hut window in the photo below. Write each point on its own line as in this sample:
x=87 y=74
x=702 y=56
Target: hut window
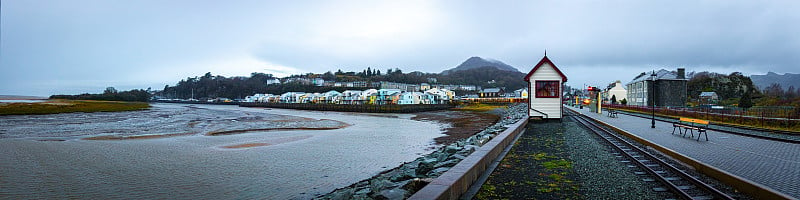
x=547 y=89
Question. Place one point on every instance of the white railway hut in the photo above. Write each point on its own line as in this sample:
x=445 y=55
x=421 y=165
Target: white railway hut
x=545 y=83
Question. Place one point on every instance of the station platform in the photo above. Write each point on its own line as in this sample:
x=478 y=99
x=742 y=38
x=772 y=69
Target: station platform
x=770 y=163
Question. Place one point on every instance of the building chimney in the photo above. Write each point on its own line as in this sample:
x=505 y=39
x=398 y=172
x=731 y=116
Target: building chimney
x=681 y=73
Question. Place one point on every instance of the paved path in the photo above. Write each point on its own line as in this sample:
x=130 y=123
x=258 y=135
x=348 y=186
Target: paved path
x=770 y=163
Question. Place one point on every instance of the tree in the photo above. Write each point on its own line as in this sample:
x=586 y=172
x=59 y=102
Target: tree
x=774 y=90
x=110 y=90
x=328 y=76
x=623 y=102
x=613 y=99
x=791 y=92
x=746 y=101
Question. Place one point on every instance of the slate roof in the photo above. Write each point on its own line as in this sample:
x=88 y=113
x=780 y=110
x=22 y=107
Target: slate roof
x=490 y=90
x=707 y=94
x=660 y=75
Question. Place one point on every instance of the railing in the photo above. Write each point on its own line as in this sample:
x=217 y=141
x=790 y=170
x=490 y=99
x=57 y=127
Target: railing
x=496 y=100
x=762 y=117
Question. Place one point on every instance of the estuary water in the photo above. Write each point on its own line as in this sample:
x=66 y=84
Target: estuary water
x=168 y=152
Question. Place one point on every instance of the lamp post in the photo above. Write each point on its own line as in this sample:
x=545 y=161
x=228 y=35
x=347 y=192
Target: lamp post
x=653 y=86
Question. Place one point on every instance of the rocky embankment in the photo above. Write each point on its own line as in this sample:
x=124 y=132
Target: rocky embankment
x=405 y=180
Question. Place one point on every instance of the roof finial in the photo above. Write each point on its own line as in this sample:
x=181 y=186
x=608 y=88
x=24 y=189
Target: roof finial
x=545 y=52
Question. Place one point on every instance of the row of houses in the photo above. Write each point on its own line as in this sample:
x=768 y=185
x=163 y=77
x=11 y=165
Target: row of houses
x=369 y=96
x=381 y=85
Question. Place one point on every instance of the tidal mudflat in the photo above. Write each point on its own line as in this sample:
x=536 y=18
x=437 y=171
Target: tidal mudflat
x=178 y=151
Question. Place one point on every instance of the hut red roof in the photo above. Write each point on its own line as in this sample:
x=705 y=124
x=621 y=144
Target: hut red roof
x=542 y=62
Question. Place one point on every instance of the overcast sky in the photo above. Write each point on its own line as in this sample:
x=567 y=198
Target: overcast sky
x=77 y=46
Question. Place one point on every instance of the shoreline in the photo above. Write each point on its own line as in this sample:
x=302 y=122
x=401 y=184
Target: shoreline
x=462 y=124
x=404 y=180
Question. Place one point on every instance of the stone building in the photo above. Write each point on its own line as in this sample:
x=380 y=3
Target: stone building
x=669 y=87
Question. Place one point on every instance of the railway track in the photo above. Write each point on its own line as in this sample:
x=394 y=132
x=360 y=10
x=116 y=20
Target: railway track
x=674 y=180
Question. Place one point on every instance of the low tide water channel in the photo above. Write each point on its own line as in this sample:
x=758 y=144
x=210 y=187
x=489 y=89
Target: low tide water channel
x=177 y=151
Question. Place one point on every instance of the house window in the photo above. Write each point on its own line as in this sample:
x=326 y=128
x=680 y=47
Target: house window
x=547 y=89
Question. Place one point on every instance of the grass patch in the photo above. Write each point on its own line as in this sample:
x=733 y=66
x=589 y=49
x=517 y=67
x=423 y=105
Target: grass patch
x=479 y=107
x=69 y=106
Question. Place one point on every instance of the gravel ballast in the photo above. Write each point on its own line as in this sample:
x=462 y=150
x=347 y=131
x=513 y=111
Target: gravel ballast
x=555 y=160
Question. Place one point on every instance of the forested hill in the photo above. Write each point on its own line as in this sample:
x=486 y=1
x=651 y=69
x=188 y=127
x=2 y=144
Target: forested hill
x=476 y=71
x=486 y=77
x=729 y=86
x=478 y=62
x=209 y=86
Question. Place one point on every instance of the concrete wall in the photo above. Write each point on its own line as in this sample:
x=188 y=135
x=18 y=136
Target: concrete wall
x=456 y=181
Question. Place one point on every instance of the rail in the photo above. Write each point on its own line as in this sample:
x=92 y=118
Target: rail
x=739 y=183
x=680 y=183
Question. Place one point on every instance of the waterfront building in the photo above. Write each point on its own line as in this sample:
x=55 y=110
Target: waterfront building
x=387 y=96
x=521 y=93
x=332 y=96
x=411 y=98
x=440 y=96
x=292 y=97
x=491 y=92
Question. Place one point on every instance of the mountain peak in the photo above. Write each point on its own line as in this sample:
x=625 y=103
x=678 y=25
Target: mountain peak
x=477 y=62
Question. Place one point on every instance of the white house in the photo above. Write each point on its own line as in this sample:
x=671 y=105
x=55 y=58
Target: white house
x=351 y=96
x=521 y=93
x=615 y=89
x=273 y=81
x=441 y=95
x=411 y=98
x=292 y=97
x=332 y=96
x=544 y=89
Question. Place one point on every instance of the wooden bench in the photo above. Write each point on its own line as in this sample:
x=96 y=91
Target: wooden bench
x=690 y=125
x=612 y=113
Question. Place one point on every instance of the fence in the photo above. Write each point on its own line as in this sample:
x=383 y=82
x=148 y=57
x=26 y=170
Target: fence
x=782 y=117
x=394 y=108
x=497 y=100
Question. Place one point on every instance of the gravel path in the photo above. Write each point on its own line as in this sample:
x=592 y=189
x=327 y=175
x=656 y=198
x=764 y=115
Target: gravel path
x=555 y=160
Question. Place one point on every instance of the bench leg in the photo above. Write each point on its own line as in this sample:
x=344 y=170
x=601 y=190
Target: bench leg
x=673 y=130
x=685 y=130
x=699 y=132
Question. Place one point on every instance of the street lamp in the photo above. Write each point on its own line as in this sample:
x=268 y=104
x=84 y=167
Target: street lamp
x=653 y=86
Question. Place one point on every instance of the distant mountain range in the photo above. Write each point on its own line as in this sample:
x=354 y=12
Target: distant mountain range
x=785 y=80
x=478 y=62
